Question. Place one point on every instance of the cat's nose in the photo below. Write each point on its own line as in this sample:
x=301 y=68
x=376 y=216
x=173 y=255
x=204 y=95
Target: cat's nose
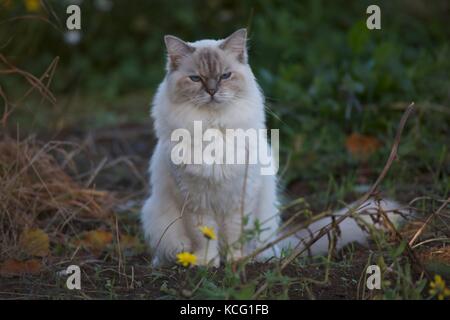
x=211 y=91
x=211 y=86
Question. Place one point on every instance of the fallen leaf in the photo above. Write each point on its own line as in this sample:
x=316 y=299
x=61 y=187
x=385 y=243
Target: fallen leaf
x=129 y=242
x=35 y=242
x=95 y=240
x=131 y=245
x=361 y=146
x=14 y=267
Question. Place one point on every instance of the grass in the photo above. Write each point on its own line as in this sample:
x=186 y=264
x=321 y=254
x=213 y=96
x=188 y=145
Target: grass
x=115 y=271
x=74 y=166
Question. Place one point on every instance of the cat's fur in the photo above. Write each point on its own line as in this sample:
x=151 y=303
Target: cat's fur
x=184 y=197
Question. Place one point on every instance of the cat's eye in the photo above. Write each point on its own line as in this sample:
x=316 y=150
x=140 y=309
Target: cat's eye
x=225 y=75
x=195 y=78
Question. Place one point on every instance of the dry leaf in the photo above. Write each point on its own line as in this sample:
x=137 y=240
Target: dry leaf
x=129 y=242
x=131 y=245
x=14 y=267
x=35 y=242
x=95 y=240
x=361 y=146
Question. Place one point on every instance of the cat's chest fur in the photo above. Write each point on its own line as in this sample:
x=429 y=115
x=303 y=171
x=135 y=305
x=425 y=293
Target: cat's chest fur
x=212 y=188
x=218 y=187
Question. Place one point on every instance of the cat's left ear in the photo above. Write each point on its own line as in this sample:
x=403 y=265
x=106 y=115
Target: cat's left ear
x=176 y=50
x=237 y=44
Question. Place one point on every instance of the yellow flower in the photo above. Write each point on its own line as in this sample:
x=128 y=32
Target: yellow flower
x=438 y=288
x=208 y=232
x=32 y=5
x=186 y=259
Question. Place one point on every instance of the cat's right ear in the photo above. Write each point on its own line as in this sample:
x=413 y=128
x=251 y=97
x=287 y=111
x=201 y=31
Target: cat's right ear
x=237 y=44
x=176 y=50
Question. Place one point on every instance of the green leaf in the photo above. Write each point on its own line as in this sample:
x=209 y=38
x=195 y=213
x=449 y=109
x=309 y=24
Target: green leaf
x=399 y=250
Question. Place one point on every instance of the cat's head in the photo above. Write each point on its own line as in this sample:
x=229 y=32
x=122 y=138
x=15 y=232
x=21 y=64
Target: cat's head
x=208 y=73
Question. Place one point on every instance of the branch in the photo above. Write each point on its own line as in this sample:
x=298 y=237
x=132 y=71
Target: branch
x=392 y=156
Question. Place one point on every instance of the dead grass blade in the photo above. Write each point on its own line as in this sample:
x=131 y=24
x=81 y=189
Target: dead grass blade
x=324 y=231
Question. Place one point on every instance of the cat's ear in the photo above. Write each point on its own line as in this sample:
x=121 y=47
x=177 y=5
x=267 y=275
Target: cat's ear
x=237 y=44
x=176 y=49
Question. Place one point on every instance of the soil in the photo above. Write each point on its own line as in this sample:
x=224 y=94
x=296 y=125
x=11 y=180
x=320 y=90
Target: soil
x=127 y=149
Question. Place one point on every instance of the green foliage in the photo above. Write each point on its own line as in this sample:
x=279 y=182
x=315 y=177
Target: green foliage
x=323 y=72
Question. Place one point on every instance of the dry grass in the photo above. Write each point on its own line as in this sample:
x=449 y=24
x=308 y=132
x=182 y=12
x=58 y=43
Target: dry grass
x=440 y=254
x=35 y=191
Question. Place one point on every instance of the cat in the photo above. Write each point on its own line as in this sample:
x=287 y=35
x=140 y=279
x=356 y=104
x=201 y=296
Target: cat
x=211 y=81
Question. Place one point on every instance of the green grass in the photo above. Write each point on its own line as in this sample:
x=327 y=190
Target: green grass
x=325 y=76
x=324 y=73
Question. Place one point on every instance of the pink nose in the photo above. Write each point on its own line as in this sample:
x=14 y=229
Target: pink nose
x=211 y=91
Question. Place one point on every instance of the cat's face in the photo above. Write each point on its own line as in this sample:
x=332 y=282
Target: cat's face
x=207 y=73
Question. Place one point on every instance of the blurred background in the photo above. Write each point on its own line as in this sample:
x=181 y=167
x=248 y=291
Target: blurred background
x=335 y=89
x=76 y=135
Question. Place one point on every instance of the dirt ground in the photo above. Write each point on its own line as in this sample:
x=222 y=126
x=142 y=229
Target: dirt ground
x=114 y=160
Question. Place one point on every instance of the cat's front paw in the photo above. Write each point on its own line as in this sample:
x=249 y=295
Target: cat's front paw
x=157 y=262
x=166 y=254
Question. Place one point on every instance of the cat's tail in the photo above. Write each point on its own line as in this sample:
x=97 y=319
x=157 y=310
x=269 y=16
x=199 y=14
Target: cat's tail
x=352 y=229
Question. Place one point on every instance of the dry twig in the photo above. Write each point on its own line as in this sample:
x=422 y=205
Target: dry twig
x=354 y=207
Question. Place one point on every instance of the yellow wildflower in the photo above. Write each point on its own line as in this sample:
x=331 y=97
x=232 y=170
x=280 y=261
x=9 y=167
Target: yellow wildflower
x=32 y=5
x=208 y=232
x=438 y=288
x=186 y=259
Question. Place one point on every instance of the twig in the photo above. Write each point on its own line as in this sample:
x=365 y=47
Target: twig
x=358 y=203
x=431 y=216
x=171 y=223
x=96 y=171
x=33 y=17
x=35 y=82
x=292 y=232
x=409 y=252
x=121 y=263
x=244 y=191
x=443 y=239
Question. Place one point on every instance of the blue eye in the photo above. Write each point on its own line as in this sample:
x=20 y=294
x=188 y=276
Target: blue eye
x=195 y=78
x=225 y=75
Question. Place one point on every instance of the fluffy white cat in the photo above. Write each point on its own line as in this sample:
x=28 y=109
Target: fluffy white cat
x=211 y=81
